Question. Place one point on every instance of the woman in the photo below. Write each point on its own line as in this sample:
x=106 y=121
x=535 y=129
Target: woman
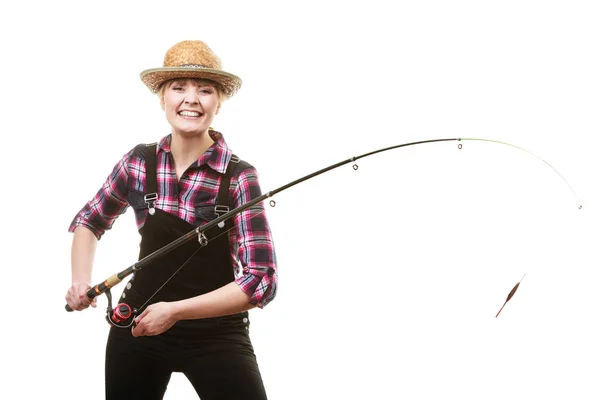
x=197 y=323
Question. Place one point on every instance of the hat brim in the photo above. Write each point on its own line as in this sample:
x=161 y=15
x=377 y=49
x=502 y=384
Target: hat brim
x=154 y=78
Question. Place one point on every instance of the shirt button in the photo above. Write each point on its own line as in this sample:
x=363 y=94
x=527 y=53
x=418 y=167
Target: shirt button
x=245 y=320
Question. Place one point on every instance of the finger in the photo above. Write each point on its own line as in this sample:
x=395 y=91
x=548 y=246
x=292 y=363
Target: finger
x=78 y=304
x=69 y=300
x=72 y=304
x=73 y=301
x=141 y=316
x=80 y=289
x=71 y=295
x=137 y=331
x=82 y=293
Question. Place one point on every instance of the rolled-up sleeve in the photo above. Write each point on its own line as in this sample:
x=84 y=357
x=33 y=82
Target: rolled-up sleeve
x=255 y=249
x=99 y=214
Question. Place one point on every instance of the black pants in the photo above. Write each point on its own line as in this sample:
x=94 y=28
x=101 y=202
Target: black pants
x=217 y=358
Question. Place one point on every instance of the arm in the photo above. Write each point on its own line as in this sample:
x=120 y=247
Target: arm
x=159 y=317
x=83 y=251
x=255 y=248
x=88 y=226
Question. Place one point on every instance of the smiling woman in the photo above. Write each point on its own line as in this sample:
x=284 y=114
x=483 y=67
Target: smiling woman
x=190 y=106
x=190 y=308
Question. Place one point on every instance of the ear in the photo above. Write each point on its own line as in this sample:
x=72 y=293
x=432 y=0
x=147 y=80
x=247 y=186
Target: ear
x=162 y=102
x=218 y=108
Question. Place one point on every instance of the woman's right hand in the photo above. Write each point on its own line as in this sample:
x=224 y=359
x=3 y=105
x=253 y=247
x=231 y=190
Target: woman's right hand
x=77 y=296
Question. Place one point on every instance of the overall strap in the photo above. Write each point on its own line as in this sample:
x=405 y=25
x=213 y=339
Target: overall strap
x=222 y=204
x=148 y=153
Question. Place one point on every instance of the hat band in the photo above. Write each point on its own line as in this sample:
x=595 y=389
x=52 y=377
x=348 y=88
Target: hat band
x=193 y=66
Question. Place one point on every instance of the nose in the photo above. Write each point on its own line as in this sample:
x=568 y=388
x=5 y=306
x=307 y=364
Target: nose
x=191 y=97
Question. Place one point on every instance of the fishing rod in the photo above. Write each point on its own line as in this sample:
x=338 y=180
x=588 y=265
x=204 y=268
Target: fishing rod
x=122 y=312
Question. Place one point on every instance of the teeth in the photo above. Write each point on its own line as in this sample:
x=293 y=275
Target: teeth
x=189 y=113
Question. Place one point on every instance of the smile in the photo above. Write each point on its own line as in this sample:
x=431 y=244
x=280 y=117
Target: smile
x=189 y=113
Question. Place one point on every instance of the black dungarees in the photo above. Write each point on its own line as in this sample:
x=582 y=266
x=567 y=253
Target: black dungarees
x=215 y=354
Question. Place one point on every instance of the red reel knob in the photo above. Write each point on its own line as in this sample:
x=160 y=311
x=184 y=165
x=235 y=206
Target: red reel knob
x=121 y=312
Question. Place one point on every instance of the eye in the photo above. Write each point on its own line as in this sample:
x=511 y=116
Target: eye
x=206 y=90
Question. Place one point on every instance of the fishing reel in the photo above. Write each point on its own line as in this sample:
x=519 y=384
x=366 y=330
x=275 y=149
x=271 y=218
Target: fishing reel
x=122 y=316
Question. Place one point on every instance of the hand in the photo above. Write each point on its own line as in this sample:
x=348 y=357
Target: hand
x=155 y=319
x=77 y=296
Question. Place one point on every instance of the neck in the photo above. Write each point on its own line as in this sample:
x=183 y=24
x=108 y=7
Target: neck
x=186 y=149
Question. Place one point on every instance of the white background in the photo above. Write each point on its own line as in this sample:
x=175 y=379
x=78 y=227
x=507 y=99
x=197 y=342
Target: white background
x=391 y=275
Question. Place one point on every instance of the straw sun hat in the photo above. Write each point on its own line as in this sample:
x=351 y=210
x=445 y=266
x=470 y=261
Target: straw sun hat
x=191 y=59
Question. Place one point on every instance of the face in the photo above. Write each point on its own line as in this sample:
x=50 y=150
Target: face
x=190 y=106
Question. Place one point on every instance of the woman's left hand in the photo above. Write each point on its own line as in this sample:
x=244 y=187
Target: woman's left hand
x=155 y=319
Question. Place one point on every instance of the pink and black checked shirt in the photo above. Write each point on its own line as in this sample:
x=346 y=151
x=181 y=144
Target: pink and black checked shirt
x=250 y=241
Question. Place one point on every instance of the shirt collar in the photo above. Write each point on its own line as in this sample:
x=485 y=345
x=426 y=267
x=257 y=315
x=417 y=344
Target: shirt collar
x=216 y=157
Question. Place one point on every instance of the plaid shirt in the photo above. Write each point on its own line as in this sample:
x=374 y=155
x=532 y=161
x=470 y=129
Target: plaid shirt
x=250 y=241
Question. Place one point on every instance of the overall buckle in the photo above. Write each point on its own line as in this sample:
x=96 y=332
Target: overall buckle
x=220 y=210
x=150 y=199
